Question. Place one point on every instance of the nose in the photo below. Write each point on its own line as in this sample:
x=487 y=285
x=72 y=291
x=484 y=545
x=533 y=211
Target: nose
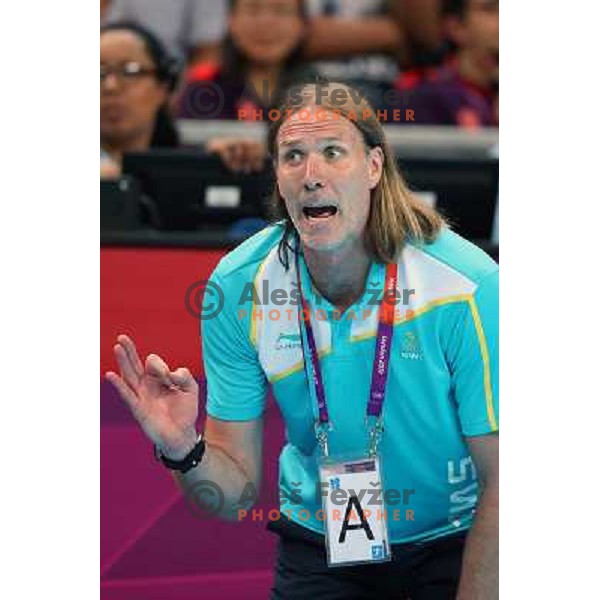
x=111 y=82
x=313 y=186
x=313 y=176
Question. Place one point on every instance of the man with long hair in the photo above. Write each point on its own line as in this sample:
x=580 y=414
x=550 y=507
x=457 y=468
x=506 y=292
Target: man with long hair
x=379 y=338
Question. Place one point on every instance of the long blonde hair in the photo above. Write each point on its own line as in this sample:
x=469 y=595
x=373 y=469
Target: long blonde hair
x=396 y=215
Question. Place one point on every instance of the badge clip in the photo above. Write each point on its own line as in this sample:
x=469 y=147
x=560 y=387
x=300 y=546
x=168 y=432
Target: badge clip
x=375 y=432
x=321 y=430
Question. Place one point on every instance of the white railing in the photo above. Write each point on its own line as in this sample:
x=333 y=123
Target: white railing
x=410 y=138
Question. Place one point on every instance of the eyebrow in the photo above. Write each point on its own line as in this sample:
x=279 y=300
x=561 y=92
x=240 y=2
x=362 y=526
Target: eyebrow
x=295 y=142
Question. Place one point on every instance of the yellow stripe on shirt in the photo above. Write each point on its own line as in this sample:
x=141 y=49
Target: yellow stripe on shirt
x=487 y=378
x=259 y=273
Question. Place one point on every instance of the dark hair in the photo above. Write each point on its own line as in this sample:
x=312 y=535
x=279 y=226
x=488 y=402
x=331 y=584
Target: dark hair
x=167 y=71
x=236 y=63
x=455 y=8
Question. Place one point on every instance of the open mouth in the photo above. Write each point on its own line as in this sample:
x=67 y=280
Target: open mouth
x=319 y=212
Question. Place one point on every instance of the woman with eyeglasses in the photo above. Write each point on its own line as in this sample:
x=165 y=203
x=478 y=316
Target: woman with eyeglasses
x=137 y=77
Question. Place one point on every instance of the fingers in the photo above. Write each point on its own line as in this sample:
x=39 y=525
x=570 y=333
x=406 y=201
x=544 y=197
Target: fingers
x=239 y=155
x=231 y=153
x=215 y=145
x=224 y=148
x=132 y=353
x=128 y=371
x=157 y=367
x=182 y=378
x=251 y=156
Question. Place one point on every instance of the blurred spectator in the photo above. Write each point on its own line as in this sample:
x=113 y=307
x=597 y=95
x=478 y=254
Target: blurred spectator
x=359 y=41
x=104 y=4
x=136 y=79
x=191 y=29
x=261 y=57
x=420 y=20
x=464 y=90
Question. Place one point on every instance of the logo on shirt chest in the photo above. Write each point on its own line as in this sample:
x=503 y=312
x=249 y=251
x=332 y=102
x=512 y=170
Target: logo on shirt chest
x=286 y=341
x=410 y=347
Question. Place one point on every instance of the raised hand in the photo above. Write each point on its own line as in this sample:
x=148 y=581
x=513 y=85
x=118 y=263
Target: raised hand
x=163 y=402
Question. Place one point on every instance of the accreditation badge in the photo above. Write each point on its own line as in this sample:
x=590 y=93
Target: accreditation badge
x=355 y=520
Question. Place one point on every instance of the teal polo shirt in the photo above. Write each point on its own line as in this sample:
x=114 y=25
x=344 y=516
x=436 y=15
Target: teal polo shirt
x=442 y=382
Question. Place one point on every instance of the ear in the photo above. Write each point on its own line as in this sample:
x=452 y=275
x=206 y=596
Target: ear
x=375 y=160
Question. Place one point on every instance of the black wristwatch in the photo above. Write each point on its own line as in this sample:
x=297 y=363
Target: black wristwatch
x=191 y=460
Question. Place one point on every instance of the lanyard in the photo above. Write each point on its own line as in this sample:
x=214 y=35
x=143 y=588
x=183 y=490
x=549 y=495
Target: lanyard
x=383 y=344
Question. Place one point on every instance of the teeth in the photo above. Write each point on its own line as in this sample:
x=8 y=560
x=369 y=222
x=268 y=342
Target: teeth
x=319 y=212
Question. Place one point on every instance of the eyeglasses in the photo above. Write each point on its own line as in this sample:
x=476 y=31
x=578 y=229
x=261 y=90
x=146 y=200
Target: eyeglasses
x=126 y=72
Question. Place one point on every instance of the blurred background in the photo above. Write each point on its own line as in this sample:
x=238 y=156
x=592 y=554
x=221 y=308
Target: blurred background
x=186 y=90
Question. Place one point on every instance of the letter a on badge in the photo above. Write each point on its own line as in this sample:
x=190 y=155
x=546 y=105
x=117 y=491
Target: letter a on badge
x=353 y=502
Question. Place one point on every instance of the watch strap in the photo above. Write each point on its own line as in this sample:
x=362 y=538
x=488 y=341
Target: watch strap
x=191 y=460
